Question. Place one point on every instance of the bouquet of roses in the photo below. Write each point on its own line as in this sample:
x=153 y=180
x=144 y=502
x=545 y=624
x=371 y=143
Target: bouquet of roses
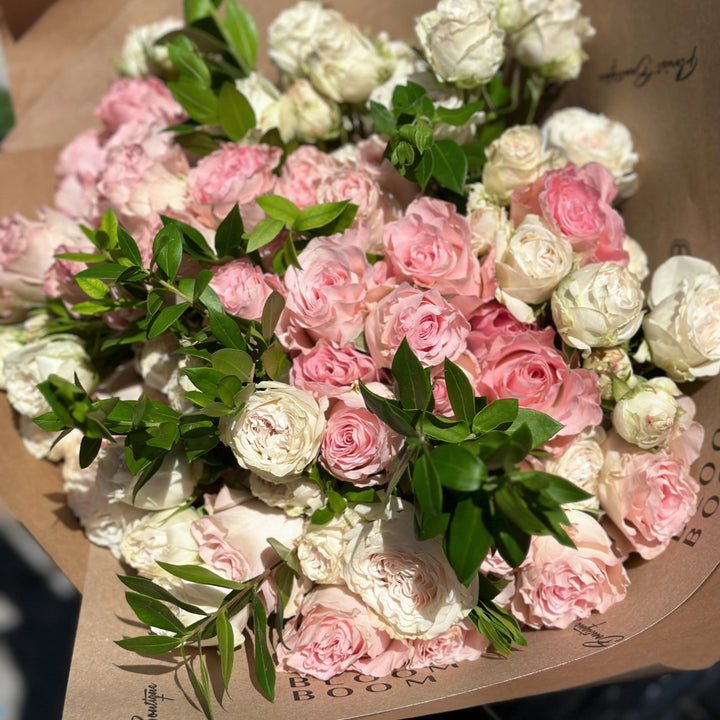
x=359 y=364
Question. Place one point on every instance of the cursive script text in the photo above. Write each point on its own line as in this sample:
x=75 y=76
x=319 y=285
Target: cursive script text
x=646 y=68
x=598 y=639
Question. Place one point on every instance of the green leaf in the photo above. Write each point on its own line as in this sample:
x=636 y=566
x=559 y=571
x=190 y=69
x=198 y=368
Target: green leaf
x=498 y=626
x=511 y=503
x=450 y=165
x=109 y=225
x=272 y=309
x=89 y=448
x=458 y=116
x=498 y=414
x=234 y=112
x=241 y=33
x=194 y=244
x=445 y=430
x=542 y=427
x=93 y=287
x=165 y=318
x=164 y=436
x=197 y=10
x=200 y=575
x=150 y=644
x=129 y=247
x=467 y=540
x=188 y=63
x=397 y=418
x=89 y=258
x=225 y=329
x=146 y=587
x=322 y=516
x=406 y=98
x=229 y=235
x=205 y=379
x=199 y=142
x=168 y=250
x=153 y=613
x=382 y=118
x=276 y=363
x=458 y=469
x=279 y=208
x=510 y=541
x=318 y=216
x=229 y=361
x=412 y=380
x=460 y=392
x=226 y=646
x=264 y=233
x=554 y=488
x=424 y=169
x=427 y=487
x=430 y=526
x=102 y=271
x=202 y=691
x=264 y=665
x=199 y=101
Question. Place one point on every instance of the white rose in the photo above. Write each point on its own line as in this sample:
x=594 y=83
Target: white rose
x=598 y=305
x=156 y=360
x=292 y=33
x=592 y=137
x=551 y=42
x=321 y=549
x=648 y=414
x=62 y=355
x=487 y=219
x=614 y=370
x=263 y=97
x=178 y=383
x=304 y=114
x=408 y=583
x=140 y=56
x=509 y=15
x=169 y=487
x=462 y=41
x=581 y=463
x=638 y=262
x=516 y=159
x=12 y=338
x=38 y=442
x=278 y=432
x=529 y=266
x=683 y=328
x=296 y=497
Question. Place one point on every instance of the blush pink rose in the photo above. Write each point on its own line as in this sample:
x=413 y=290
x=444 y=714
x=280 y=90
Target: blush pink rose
x=234 y=173
x=461 y=642
x=334 y=633
x=328 y=369
x=327 y=297
x=433 y=327
x=431 y=248
x=557 y=585
x=83 y=157
x=577 y=204
x=649 y=496
x=139 y=99
x=528 y=368
x=357 y=445
x=59 y=279
x=242 y=288
x=301 y=174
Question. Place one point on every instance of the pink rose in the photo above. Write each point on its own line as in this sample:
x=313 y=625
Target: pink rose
x=528 y=368
x=233 y=174
x=242 y=288
x=139 y=99
x=301 y=174
x=461 y=642
x=491 y=320
x=433 y=327
x=577 y=204
x=327 y=369
x=83 y=157
x=334 y=633
x=59 y=279
x=357 y=445
x=327 y=297
x=557 y=585
x=431 y=247
x=649 y=496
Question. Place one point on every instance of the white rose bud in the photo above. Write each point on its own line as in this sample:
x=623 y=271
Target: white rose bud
x=321 y=548
x=598 y=305
x=296 y=497
x=614 y=370
x=551 y=41
x=529 y=266
x=292 y=33
x=638 y=262
x=683 y=328
x=140 y=56
x=516 y=159
x=509 y=15
x=156 y=360
x=263 y=97
x=462 y=41
x=647 y=415
x=278 y=432
x=487 y=219
x=592 y=137
x=62 y=355
x=306 y=115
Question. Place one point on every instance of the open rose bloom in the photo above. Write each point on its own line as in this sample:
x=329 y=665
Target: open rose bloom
x=321 y=372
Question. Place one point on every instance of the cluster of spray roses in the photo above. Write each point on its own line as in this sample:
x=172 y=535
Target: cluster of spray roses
x=533 y=290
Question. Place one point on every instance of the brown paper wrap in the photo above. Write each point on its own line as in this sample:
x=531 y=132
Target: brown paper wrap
x=652 y=67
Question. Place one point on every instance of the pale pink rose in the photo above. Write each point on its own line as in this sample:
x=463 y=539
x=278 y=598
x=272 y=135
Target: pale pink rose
x=686 y=439
x=557 y=585
x=234 y=173
x=327 y=297
x=328 y=369
x=374 y=207
x=334 y=633
x=83 y=157
x=491 y=320
x=301 y=174
x=528 y=368
x=468 y=363
x=577 y=204
x=649 y=496
x=433 y=327
x=59 y=280
x=357 y=445
x=461 y=642
x=431 y=247
x=242 y=288
x=139 y=99
x=498 y=570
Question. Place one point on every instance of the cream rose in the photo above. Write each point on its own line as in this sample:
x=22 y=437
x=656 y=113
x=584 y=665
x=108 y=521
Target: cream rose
x=140 y=55
x=263 y=97
x=487 y=220
x=515 y=159
x=278 y=432
x=296 y=497
x=598 y=305
x=529 y=265
x=321 y=549
x=156 y=360
x=12 y=337
x=614 y=370
x=306 y=115
x=462 y=41
x=638 y=260
x=408 y=583
x=291 y=34
x=586 y=137
x=682 y=329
